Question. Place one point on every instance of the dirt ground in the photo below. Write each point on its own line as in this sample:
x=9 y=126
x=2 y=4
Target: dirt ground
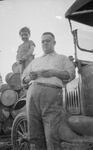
x=5 y=143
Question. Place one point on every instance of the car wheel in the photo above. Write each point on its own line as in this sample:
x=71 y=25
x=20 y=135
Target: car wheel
x=19 y=133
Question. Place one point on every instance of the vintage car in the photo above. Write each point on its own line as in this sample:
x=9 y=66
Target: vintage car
x=77 y=122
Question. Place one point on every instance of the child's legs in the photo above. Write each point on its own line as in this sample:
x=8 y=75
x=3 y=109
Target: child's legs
x=22 y=67
x=27 y=62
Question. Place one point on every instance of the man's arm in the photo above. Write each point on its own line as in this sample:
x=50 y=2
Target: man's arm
x=63 y=75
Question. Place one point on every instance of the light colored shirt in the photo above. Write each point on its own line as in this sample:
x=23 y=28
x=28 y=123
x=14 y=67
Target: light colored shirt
x=51 y=61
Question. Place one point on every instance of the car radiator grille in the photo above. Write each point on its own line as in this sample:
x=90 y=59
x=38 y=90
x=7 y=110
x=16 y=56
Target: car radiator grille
x=73 y=101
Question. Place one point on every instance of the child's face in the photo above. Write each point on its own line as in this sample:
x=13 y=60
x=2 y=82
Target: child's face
x=25 y=36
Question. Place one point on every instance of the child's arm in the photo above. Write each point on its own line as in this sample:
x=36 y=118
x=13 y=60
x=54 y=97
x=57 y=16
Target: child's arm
x=17 y=56
x=30 y=52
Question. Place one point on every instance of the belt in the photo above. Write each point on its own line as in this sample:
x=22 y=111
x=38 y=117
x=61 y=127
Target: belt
x=48 y=85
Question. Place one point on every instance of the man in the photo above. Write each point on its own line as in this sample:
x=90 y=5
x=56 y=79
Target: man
x=47 y=75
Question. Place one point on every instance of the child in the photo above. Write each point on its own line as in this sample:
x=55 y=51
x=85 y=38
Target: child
x=25 y=50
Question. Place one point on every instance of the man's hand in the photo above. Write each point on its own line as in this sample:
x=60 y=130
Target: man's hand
x=33 y=75
x=28 y=78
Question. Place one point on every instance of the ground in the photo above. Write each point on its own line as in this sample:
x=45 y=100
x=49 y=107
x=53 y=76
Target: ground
x=5 y=143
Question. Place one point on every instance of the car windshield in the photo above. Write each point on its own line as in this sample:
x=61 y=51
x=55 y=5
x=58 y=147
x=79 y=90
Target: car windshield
x=85 y=45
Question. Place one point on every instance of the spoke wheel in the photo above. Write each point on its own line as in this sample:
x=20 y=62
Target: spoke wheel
x=19 y=133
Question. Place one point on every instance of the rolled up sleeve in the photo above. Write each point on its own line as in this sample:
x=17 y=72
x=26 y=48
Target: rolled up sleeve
x=70 y=68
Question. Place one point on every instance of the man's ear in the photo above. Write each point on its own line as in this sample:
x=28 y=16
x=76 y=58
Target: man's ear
x=54 y=42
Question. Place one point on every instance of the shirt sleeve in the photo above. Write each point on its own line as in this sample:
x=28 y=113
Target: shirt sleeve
x=31 y=43
x=70 y=68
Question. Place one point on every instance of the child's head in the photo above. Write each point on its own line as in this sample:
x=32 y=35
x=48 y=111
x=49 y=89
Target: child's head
x=24 y=33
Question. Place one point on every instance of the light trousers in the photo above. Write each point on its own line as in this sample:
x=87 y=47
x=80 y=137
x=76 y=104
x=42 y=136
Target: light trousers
x=44 y=105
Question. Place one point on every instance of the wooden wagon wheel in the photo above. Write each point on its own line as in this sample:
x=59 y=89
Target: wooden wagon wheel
x=19 y=132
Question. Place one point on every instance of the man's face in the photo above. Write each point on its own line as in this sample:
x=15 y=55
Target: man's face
x=48 y=43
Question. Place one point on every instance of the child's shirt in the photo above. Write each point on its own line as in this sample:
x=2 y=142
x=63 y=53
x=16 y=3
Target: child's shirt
x=24 y=48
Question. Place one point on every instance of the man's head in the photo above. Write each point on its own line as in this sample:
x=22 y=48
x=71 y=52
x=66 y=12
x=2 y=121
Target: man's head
x=48 y=42
x=24 y=33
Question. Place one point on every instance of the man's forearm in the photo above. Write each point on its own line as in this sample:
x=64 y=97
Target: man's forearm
x=63 y=75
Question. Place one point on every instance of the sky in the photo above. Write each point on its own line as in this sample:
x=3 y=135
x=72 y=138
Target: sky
x=40 y=16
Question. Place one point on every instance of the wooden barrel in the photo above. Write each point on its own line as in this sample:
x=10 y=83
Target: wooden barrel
x=16 y=68
x=4 y=112
x=14 y=81
x=4 y=87
x=7 y=77
x=9 y=97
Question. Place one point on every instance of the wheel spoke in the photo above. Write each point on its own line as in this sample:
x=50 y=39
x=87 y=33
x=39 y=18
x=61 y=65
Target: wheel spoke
x=21 y=131
x=25 y=144
x=22 y=146
x=21 y=127
x=21 y=134
x=25 y=126
x=19 y=139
